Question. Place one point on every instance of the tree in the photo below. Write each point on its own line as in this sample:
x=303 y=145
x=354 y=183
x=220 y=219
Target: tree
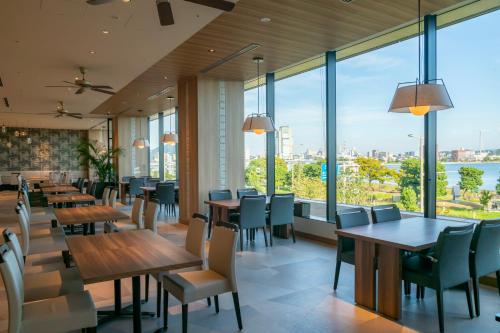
x=409 y=199
x=350 y=188
x=255 y=174
x=498 y=186
x=470 y=179
x=372 y=169
x=410 y=176
x=485 y=198
x=282 y=179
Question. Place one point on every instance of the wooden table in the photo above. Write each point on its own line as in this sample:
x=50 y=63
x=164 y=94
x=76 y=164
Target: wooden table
x=88 y=215
x=383 y=243
x=127 y=254
x=70 y=198
x=60 y=189
x=148 y=193
x=48 y=184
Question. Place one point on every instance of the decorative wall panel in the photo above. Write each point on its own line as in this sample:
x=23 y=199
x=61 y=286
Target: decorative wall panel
x=49 y=150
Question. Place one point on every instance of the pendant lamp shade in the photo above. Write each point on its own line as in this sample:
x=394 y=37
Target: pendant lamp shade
x=170 y=138
x=141 y=143
x=258 y=124
x=420 y=98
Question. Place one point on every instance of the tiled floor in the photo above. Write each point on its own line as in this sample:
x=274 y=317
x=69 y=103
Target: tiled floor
x=288 y=288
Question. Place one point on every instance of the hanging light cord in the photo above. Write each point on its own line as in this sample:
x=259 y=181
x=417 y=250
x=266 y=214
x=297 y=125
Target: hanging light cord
x=258 y=87
x=419 y=47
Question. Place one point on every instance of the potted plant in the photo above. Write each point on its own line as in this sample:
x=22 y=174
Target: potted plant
x=99 y=159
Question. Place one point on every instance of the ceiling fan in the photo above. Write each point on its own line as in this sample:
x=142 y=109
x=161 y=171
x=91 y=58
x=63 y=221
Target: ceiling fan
x=165 y=10
x=82 y=85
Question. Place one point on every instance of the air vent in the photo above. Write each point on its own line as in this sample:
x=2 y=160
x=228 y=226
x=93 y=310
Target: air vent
x=160 y=93
x=6 y=102
x=248 y=48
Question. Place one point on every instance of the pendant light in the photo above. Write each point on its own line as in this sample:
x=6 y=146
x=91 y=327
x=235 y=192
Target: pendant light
x=256 y=122
x=170 y=138
x=140 y=142
x=420 y=98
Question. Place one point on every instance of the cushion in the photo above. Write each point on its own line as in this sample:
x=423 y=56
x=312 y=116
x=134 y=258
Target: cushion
x=61 y=314
x=418 y=269
x=125 y=225
x=192 y=286
x=51 y=284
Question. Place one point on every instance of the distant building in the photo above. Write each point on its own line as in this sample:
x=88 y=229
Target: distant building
x=285 y=143
x=462 y=155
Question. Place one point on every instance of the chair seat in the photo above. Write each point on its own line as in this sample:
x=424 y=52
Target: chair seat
x=192 y=286
x=125 y=225
x=159 y=276
x=417 y=269
x=41 y=231
x=348 y=257
x=47 y=244
x=61 y=314
x=51 y=284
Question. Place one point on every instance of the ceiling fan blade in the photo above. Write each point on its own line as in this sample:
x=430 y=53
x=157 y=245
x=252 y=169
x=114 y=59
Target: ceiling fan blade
x=71 y=83
x=79 y=91
x=103 y=91
x=60 y=87
x=102 y=87
x=217 y=4
x=98 y=2
x=165 y=13
x=74 y=115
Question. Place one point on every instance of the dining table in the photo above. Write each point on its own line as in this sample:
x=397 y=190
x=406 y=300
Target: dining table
x=59 y=189
x=380 y=247
x=129 y=254
x=72 y=199
x=88 y=215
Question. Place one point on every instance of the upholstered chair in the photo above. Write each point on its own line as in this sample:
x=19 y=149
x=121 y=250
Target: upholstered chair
x=105 y=196
x=112 y=198
x=136 y=219
x=281 y=213
x=241 y=192
x=385 y=213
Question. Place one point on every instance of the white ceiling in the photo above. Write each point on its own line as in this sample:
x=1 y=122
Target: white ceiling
x=43 y=42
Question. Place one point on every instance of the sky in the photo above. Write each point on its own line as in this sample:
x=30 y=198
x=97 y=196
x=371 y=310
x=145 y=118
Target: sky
x=468 y=62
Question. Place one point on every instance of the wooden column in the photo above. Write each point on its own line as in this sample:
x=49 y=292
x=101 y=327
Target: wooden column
x=116 y=144
x=188 y=148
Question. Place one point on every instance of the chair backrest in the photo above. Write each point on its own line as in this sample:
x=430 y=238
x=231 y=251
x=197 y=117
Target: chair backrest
x=89 y=186
x=112 y=198
x=195 y=237
x=26 y=201
x=24 y=227
x=134 y=186
x=80 y=183
x=348 y=218
x=452 y=253
x=220 y=195
x=151 y=216
x=126 y=179
x=165 y=193
x=281 y=209
x=385 y=213
x=241 y=192
x=13 y=281
x=12 y=241
x=485 y=248
x=253 y=211
x=93 y=189
x=137 y=212
x=105 y=196
x=221 y=257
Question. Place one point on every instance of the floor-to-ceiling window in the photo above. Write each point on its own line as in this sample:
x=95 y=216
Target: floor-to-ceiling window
x=300 y=120
x=255 y=144
x=469 y=135
x=154 y=157
x=379 y=154
x=170 y=150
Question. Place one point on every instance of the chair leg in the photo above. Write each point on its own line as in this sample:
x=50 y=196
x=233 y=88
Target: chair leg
x=469 y=299
x=184 y=318
x=439 y=299
x=475 y=287
x=422 y=292
x=407 y=288
x=146 y=289
x=498 y=281
x=216 y=301
x=271 y=236
x=293 y=232
x=237 y=310
x=337 y=272
x=158 y=299
x=241 y=239
x=265 y=236
x=91 y=330
x=209 y=301
x=165 y=309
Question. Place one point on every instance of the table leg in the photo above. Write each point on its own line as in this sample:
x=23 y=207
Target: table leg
x=146 y=199
x=118 y=297
x=389 y=281
x=364 y=292
x=92 y=228
x=123 y=194
x=136 y=299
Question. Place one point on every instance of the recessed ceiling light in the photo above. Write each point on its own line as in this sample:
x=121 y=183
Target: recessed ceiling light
x=76 y=78
x=92 y=52
x=105 y=32
x=265 y=19
x=211 y=50
x=126 y=1
x=165 y=78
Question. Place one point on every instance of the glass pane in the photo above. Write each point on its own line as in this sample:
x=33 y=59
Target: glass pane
x=170 y=151
x=468 y=135
x=301 y=138
x=255 y=145
x=154 y=156
x=379 y=154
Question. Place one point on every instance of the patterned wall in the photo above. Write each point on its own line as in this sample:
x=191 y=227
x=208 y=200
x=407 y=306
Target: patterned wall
x=50 y=150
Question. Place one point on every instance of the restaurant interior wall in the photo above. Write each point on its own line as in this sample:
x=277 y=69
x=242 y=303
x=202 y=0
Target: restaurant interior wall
x=133 y=161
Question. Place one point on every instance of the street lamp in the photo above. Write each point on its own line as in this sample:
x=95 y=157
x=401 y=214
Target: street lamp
x=421 y=155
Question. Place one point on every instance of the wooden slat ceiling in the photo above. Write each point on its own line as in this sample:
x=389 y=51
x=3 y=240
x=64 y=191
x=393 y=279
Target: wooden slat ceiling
x=298 y=30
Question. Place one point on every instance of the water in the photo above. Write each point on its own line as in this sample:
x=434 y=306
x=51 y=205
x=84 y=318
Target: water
x=490 y=176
